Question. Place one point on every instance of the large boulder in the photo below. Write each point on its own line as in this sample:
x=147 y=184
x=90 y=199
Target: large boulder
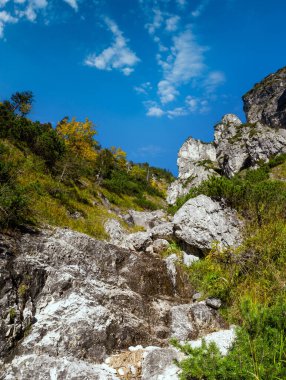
x=266 y=102
x=202 y=222
x=69 y=300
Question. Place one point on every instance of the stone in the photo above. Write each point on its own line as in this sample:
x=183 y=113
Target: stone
x=266 y=101
x=224 y=340
x=189 y=259
x=160 y=245
x=191 y=321
x=240 y=146
x=158 y=364
x=163 y=231
x=86 y=299
x=137 y=241
x=43 y=367
x=215 y=303
x=202 y=222
x=147 y=219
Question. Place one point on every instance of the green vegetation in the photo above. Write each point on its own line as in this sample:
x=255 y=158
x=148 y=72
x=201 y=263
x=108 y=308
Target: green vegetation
x=62 y=177
x=250 y=280
x=259 y=352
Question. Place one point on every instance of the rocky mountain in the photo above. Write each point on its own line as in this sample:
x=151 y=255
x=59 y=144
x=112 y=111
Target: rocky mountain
x=237 y=145
x=74 y=307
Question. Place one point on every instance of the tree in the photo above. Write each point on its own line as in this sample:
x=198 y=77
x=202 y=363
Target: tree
x=79 y=137
x=22 y=102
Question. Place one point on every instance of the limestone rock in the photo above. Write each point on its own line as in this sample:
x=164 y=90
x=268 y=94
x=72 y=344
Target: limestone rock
x=191 y=321
x=266 y=102
x=88 y=299
x=42 y=367
x=224 y=339
x=215 y=303
x=240 y=146
x=196 y=162
x=201 y=222
x=147 y=219
x=158 y=364
x=163 y=231
x=188 y=259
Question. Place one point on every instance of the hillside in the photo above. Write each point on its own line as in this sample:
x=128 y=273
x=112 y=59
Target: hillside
x=101 y=280
x=62 y=177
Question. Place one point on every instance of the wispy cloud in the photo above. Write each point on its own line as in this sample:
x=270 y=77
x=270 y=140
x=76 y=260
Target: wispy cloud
x=6 y=18
x=72 y=3
x=25 y=9
x=200 y=8
x=144 y=88
x=118 y=56
x=185 y=63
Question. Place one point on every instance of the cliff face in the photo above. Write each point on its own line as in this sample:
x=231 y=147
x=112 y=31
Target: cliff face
x=236 y=145
x=266 y=102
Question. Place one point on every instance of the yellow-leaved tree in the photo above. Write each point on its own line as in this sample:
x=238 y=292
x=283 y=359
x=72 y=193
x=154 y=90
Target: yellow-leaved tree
x=80 y=143
x=79 y=137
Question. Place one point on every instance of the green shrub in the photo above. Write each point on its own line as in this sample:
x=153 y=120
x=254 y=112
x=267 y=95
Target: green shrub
x=258 y=353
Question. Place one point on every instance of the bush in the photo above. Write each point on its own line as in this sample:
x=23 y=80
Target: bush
x=258 y=353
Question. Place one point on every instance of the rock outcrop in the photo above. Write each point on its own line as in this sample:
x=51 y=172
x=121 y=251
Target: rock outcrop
x=266 y=102
x=202 y=222
x=196 y=162
x=237 y=145
x=68 y=301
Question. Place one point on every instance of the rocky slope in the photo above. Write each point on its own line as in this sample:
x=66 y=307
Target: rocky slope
x=68 y=302
x=237 y=145
x=73 y=307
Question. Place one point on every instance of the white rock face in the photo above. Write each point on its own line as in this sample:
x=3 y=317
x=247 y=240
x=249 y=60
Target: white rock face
x=43 y=367
x=190 y=156
x=191 y=321
x=196 y=162
x=224 y=339
x=201 y=222
x=86 y=300
x=240 y=146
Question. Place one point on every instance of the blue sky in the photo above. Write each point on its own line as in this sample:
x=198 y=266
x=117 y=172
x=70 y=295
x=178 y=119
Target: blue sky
x=149 y=73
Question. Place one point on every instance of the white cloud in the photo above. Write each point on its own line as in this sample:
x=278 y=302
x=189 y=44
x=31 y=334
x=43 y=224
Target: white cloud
x=214 y=79
x=172 y=23
x=144 y=88
x=72 y=3
x=6 y=18
x=185 y=63
x=200 y=8
x=197 y=105
x=156 y=23
x=167 y=91
x=155 y=111
x=118 y=56
x=178 y=111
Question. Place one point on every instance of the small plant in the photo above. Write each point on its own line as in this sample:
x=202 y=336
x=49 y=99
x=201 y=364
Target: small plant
x=22 y=290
